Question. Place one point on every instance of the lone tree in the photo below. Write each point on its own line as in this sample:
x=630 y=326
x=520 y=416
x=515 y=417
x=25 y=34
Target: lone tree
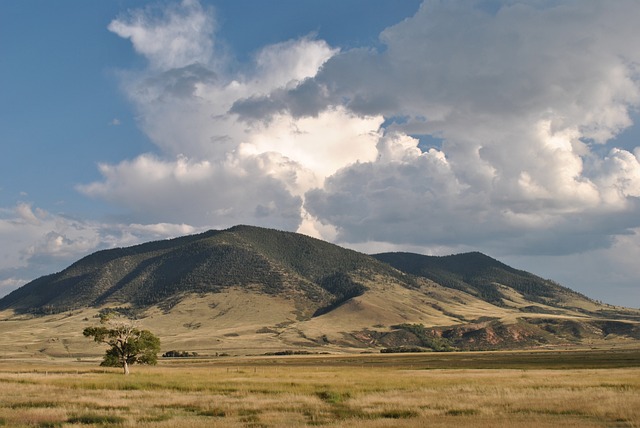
x=128 y=345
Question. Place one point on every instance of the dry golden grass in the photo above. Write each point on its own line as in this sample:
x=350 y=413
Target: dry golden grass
x=307 y=391
x=241 y=322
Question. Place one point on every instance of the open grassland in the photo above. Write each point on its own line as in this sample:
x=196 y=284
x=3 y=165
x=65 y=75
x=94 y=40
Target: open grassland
x=529 y=389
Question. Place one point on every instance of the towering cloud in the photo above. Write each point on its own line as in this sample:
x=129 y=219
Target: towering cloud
x=517 y=100
x=215 y=168
x=523 y=97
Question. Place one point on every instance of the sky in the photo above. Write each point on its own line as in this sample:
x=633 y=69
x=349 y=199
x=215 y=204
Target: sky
x=437 y=127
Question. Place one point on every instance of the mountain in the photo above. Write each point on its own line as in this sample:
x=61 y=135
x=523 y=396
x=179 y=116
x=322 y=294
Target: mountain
x=480 y=275
x=270 y=261
x=254 y=290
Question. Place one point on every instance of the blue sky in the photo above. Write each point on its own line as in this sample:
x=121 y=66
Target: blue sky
x=503 y=127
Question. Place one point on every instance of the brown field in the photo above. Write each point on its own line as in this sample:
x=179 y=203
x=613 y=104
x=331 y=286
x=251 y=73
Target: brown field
x=596 y=388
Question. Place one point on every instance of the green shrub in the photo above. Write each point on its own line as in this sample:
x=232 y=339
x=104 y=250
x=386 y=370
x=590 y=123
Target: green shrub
x=427 y=339
x=401 y=349
x=333 y=397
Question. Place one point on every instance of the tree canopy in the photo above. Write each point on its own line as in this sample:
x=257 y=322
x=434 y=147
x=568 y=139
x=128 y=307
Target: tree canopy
x=127 y=344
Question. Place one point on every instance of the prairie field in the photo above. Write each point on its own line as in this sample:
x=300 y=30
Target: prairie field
x=481 y=389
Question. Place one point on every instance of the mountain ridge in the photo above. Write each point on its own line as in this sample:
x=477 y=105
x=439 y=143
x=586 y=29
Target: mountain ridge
x=205 y=262
x=251 y=289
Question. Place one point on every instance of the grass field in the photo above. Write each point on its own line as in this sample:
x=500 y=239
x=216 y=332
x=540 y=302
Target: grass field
x=516 y=389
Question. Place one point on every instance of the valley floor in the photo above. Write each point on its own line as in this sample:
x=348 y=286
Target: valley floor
x=589 y=388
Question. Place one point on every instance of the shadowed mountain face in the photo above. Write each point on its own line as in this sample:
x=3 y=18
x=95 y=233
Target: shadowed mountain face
x=260 y=289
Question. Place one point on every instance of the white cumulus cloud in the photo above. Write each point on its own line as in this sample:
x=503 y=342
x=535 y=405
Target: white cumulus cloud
x=214 y=167
x=172 y=37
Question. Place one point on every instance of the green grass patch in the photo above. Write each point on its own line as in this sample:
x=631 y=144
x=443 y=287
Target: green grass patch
x=216 y=413
x=461 y=412
x=249 y=416
x=158 y=418
x=33 y=405
x=184 y=407
x=619 y=386
x=333 y=397
x=315 y=417
x=564 y=412
x=131 y=387
x=190 y=408
x=551 y=412
x=397 y=414
x=342 y=411
x=96 y=406
x=95 y=419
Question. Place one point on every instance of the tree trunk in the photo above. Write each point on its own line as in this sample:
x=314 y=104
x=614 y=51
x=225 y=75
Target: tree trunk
x=125 y=366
